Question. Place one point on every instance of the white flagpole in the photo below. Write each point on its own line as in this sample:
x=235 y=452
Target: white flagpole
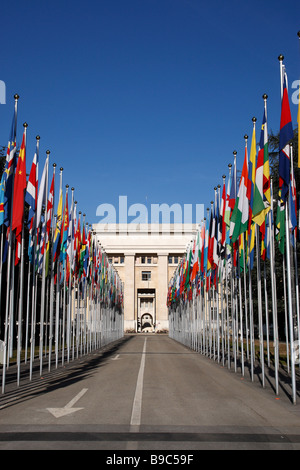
x=43 y=273
x=245 y=278
x=78 y=322
x=34 y=278
x=74 y=284
x=1 y=264
x=70 y=277
x=27 y=310
x=294 y=260
x=288 y=259
x=273 y=287
x=9 y=260
x=241 y=315
x=227 y=289
x=290 y=304
x=57 y=289
x=52 y=231
x=21 y=275
x=259 y=298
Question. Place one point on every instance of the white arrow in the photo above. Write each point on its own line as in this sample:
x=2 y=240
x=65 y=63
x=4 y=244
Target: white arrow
x=116 y=357
x=66 y=410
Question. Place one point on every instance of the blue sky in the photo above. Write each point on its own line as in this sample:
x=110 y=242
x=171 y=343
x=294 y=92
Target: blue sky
x=144 y=98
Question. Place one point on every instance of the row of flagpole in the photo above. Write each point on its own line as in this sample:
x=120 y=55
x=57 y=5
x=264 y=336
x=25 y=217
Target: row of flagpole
x=211 y=301
x=58 y=291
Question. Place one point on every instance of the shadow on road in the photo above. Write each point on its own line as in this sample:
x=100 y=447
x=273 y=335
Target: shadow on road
x=64 y=375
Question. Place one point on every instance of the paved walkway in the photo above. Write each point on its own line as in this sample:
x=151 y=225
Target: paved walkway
x=145 y=392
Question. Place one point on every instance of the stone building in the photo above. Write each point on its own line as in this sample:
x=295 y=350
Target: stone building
x=145 y=256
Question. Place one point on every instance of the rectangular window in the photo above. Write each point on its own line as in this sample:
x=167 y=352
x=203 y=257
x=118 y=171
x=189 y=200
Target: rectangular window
x=146 y=275
x=143 y=259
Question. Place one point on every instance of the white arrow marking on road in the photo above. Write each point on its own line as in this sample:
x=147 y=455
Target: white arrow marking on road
x=116 y=357
x=66 y=410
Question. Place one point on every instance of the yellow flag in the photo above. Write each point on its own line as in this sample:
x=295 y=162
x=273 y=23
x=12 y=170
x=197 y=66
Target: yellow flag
x=58 y=217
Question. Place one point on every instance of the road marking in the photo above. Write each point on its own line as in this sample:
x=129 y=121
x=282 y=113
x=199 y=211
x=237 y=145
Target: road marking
x=137 y=402
x=66 y=410
x=116 y=357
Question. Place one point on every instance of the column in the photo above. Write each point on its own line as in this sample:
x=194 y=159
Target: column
x=129 y=292
x=162 y=322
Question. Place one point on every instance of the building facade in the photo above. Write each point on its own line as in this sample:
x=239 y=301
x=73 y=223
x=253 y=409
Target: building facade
x=145 y=256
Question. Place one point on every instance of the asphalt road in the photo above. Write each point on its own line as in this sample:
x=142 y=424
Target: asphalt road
x=145 y=392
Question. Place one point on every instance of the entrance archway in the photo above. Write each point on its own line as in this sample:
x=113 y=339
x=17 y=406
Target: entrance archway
x=146 y=322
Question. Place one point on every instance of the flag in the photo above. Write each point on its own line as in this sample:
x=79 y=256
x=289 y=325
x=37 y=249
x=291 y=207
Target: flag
x=77 y=249
x=266 y=176
x=298 y=120
x=240 y=214
x=188 y=268
x=9 y=175
x=64 y=231
x=30 y=243
x=261 y=197
x=251 y=173
x=232 y=196
x=265 y=245
x=222 y=225
x=216 y=251
x=285 y=136
x=211 y=235
x=280 y=223
x=201 y=248
x=250 y=189
x=32 y=187
x=48 y=222
x=41 y=246
x=292 y=203
x=195 y=263
x=42 y=194
x=71 y=233
x=206 y=262
x=19 y=188
x=2 y=192
x=58 y=227
x=227 y=208
x=82 y=252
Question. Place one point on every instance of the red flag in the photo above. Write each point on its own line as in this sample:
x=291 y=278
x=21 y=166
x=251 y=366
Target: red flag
x=19 y=188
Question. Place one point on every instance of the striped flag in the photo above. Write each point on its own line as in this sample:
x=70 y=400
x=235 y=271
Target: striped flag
x=261 y=197
x=251 y=184
x=58 y=227
x=42 y=194
x=240 y=214
x=223 y=227
x=232 y=196
x=285 y=136
x=48 y=222
x=32 y=187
